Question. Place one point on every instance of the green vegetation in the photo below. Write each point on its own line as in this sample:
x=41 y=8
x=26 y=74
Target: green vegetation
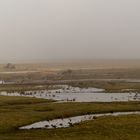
x=43 y=75
x=105 y=128
x=99 y=78
x=109 y=86
x=116 y=73
x=22 y=87
x=19 y=111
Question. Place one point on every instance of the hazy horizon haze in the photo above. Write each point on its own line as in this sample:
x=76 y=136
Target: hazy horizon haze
x=35 y=31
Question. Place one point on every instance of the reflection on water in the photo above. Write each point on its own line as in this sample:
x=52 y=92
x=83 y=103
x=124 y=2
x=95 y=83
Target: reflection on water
x=67 y=122
x=65 y=93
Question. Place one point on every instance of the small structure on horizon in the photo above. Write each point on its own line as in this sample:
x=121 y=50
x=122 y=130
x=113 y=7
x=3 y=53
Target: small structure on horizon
x=9 y=66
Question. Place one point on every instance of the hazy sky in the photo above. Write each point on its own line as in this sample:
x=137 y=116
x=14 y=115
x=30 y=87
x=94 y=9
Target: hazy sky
x=65 y=29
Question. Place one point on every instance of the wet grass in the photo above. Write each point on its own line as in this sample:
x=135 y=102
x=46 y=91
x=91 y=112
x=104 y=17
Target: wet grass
x=109 y=86
x=41 y=80
x=19 y=111
x=104 y=128
x=22 y=87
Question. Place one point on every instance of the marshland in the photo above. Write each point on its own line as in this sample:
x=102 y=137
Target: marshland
x=69 y=70
x=66 y=107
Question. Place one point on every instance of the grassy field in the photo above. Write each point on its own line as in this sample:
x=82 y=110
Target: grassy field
x=109 y=86
x=69 y=71
x=19 y=111
x=120 y=128
x=100 y=78
x=71 y=74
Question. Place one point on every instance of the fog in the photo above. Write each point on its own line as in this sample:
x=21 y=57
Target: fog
x=41 y=30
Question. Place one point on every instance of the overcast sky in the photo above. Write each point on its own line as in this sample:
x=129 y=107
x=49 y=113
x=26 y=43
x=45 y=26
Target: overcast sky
x=32 y=30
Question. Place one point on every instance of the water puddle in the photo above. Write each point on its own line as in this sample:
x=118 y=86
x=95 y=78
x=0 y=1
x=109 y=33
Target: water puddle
x=67 y=122
x=17 y=72
x=65 y=93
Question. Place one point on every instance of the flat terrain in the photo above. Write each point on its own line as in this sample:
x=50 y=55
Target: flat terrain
x=113 y=76
x=109 y=86
x=71 y=70
x=19 y=111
